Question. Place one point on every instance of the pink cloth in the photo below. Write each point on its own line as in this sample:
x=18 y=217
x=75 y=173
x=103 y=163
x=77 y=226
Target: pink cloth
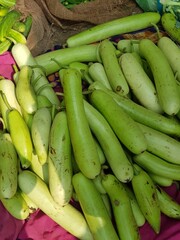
x=6 y=65
x=41 y=227
x=9 y=226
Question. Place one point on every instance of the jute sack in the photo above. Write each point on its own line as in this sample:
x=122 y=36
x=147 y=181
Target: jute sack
x=53 y=23
x=39 y=37
x=95 y=11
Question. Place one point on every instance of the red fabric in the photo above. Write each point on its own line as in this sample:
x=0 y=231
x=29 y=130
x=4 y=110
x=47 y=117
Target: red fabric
x=9 y=226
x=41 y=227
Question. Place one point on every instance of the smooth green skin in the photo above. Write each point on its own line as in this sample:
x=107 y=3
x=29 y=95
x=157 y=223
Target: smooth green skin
x=97 y=73
x=107 y=52
x=3 y=11
x=107 y=203
x=125 y=45
x=168 y=205
x=145 y=192
x=122 y=124
x=16 y=206
x=128 y=46
x=40 y=131
x=42 y=86
x=38 y=192
x=142 y=114
x=28 y=25
x=178 y=86
x=102 y=157
x=23 y=56
x=8 y=4
x=24 y=85
x=168 y=22
x=8 y=166
x=8 y=88
x=172 y=53
x=83 y=70
x=111 y=28
x=83 y=144
x=16 y=36
x=161 y=181
x=138 y=215
x=27 y=118
x=7 y=22
x=19 y=26
x=43 y=101
x=4 y=46
x=41 y=170
x=161 y=144
x=121 y=206
x=81 y=67
x=93 y=208
x=59 y=160
x=157 y=165
x=98 y=183
x=163 y=75
x=21 y=137
x=139 y=82
x=55 y=60
x=114 y=152
x=31 y=205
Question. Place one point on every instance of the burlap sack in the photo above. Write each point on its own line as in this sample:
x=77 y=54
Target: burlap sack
x=95 y=12
x=53 y=23
x=40 y=34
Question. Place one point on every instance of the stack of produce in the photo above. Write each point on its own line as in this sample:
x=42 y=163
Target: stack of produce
x=170 y=11
x=109 y=140
x=13 y=28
